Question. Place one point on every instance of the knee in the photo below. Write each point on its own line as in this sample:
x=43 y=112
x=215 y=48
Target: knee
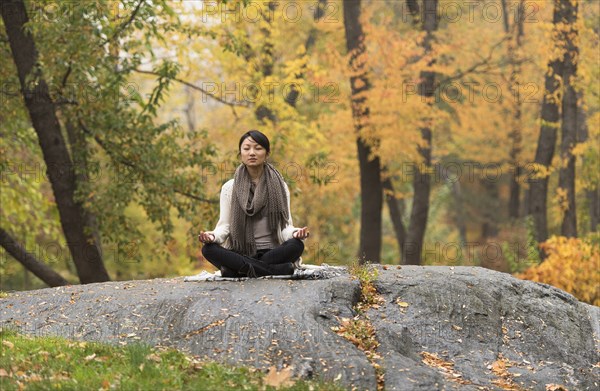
x=209 y=249
x=299 y=244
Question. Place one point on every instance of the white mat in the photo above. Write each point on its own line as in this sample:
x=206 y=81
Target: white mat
x=305 y=272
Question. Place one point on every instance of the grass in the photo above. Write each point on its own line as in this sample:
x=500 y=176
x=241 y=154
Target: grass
x=43 y=363
x=366 y=275
x=359 y=330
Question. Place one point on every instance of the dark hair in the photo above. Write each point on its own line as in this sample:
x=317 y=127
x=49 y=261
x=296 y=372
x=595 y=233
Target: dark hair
x=257 y=136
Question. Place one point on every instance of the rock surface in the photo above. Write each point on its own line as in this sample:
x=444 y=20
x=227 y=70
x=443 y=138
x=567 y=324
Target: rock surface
x=483 y=322
x=480 y=329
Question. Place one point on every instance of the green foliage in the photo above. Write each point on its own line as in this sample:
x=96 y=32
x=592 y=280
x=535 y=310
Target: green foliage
x=366 y=275
x=57 y=363
x=128 y=157
x=515 y=258
x=439 y=234
x=25 y=207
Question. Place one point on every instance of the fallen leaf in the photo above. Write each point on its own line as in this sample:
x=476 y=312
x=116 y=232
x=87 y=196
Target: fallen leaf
x=279 y=379
x=8 y=344
x=153 y=357
x=90 y=357
x=498 y=367
x=3 y=372
x=446 y=367
x=505 y=378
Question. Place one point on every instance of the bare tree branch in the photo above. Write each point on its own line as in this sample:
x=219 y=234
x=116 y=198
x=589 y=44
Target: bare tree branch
x=67 y=74
x=195 y=87
x=195 y=197
x=38 y=268
x=475 y=68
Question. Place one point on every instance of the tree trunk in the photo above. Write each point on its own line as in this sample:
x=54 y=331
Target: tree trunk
x=489 y=227
x=395 y=213
x=593 y=197
x=83 y=248
x=459 y=210
x=294 y=93
x=592 y=194
x=371 y=189
x=189 y=109
x=263 y=112
x=422 y=181
x=516 y=30
x=413 y=8
x=40 y=269
x=547 y=138
x=79 y=153
x=566 y=175
x=525 y=204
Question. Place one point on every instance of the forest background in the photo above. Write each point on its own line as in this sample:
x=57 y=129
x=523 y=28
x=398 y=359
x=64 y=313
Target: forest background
x=151 y=97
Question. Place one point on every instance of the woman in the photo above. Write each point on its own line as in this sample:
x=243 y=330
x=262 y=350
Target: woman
x=255 y=235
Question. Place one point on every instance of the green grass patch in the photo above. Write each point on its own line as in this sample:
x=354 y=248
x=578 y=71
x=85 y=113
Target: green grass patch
x=359 y=330
x=367 y=275
x=52 y=363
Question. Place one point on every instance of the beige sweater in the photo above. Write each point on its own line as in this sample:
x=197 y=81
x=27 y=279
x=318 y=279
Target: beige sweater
x=221 y=231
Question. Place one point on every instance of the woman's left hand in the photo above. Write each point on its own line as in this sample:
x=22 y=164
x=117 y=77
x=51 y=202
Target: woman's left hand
x=301 y=233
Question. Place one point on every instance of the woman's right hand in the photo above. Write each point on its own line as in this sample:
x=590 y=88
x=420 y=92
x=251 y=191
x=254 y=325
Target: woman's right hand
x=206 y=237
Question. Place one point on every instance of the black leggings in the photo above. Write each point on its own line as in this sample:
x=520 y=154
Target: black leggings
x=277 y=261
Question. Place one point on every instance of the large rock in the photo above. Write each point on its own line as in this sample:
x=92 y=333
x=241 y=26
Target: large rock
x=256 y=322
x=482 y=321
x=496 y=330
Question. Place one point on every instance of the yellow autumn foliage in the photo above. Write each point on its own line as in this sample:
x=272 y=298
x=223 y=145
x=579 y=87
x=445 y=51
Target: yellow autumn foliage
x=572 y=264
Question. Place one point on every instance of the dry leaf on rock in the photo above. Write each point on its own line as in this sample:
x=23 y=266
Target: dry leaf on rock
x=277 y=379
x=401 y=303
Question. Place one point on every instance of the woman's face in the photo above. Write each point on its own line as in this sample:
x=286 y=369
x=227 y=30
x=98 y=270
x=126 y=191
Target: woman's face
x=253 y=154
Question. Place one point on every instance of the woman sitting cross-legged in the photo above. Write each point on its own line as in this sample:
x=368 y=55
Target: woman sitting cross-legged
x=255 y=235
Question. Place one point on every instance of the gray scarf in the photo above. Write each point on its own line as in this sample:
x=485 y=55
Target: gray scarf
x=267 y=198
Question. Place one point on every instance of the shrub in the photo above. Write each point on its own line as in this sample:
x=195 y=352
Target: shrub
x=572 y=264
